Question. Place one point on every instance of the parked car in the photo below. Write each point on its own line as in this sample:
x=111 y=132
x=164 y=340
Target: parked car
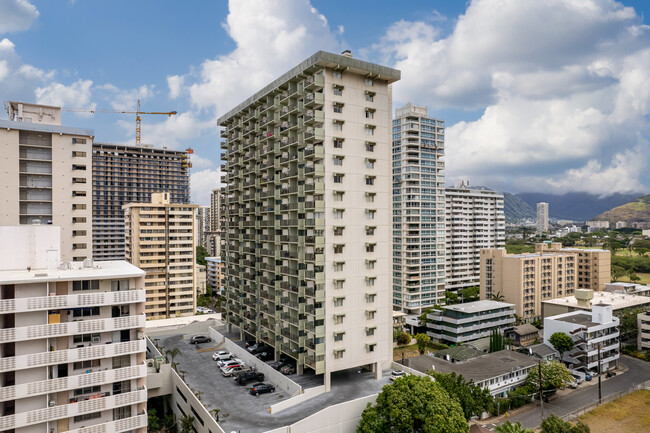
x=261 y=388
x=198 y=339
x=230 y=362
x=573 y=384
x=396 y=374
x=222 y=355
x=249 y=376
x=587 y=377
x=287 y=369
x=259 y=348
x=277 y=365
x=577 y=378
x=229 y=371
x=265 y=356
x=208 y=311
x=610 y=374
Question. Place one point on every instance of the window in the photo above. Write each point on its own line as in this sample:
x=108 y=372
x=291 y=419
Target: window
x=370 y=114
x=338 y=143
x=370 y=163
x=85 y=312
x=370 y=347
x=78 y=232
x=78 y=193
x=370 y=331
x=337 y=74
x=370 y=248
x=370 y=264
x=370 y=314
x=85 y=285
x=78 y=140
x=338 y=178
x=370 y=230
x=338 y=319
x=338 y=108
x=80 y=154
x=338 y=160
x=370 y=214
x=79 y=246
x=338 y=302
x=338 y=231
x=86 y=338
x=338 y=284
x=370 y=298
x=338 y=248
x=370 y=281
x=370 y=96
x=80 y=365
x=370 y=130
x=78 y=206
x=338 y=266
x=86 y=417
x=88 y=390
x=78 y=220
x=338 y=90
x=338 y=195
x=338 y=214
x=338 y=353
x=338 y=125
x=78 y=167
x=338 y=336
x=370 y=180
x=370 y=197
x=78 y=180
x=370 y=147
x=368 y=81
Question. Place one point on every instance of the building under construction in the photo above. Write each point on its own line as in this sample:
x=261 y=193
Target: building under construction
x=130 y=174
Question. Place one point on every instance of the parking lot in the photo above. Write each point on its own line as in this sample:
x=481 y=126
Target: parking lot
x=241 y=411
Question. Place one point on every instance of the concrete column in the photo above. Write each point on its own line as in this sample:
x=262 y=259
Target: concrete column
x=377 y=369
x=328 y=381
x=300 y=368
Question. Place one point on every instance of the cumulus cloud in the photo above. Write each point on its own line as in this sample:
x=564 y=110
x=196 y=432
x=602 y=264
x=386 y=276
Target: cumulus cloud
x=174 y=132
x=560 y=85
x=270 y=36
x=202 y=183
x=126 y=99
x=16 y=15
x=175 y=84
x=77 y=94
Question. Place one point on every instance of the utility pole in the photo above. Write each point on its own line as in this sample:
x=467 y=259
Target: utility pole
x=541 y=397
x=600 y=373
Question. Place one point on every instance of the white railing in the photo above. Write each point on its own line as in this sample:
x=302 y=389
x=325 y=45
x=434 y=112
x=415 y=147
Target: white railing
x=69 y=410
x=71 y=328
x=31 y=389
x=65 y=356
x=126 y=424
x=41 y=303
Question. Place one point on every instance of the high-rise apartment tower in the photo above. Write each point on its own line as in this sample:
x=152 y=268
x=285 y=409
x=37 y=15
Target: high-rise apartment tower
x=45 y=175
x=308 y=234
x=128 y=174
x=542 y=217
x=418 y=210
x=475 y=220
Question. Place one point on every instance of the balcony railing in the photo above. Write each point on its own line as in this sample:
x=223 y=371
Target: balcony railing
x=20 y=305
x=69 y=410
x=119 y=426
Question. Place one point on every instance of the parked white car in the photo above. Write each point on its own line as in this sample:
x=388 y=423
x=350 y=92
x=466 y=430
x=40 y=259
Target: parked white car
x=232 y=370
x=230 y=362
x=396 y=374
x=222 y=355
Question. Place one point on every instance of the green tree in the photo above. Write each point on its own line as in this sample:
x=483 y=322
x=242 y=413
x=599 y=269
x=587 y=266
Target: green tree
x=498 y=296
x=153 y=422
x=470 y=293
x=561 y=342
x=508 y=427
x=423 y=342
x=451 y=298
x=187 y=424
x=554 y=424
x=618 y=272
x=403 y=339
x=496 y=341
x=423 y=316
x=554 y=375
x=473 y=399
x=173 y=353
x=413 y=404
x=201 y=254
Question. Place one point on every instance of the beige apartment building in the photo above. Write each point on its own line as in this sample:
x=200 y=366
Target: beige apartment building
x=526 y=280
x=72 y=344
x=594 y=266
x=46 y=175
x=308 y=252
x=161 y=239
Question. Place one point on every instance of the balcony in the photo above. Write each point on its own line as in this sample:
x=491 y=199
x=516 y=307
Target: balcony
x=69 y=410
x=32 y=389
x=123 y=425
x=22 y=305
x=65 y=356
x=71 y=328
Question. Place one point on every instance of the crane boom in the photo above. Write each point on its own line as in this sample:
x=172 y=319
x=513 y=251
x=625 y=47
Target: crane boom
x=138 y=120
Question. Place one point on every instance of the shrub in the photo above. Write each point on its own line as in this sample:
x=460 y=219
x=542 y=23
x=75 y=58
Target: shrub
x=403 y=339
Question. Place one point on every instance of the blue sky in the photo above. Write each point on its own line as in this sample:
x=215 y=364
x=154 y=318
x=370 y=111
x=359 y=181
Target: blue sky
x=546 y=96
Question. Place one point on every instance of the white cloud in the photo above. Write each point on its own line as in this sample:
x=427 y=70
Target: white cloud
x=562 y=85
x=126 y=99
x=16 y=15
x=199 y=162
x=77 y=94
x=175 y=84
x=271 y=37
x=174 y=132
x=4 y=69
x=202 y=183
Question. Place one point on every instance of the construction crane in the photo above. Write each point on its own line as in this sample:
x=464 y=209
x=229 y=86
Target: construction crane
x=138 y=120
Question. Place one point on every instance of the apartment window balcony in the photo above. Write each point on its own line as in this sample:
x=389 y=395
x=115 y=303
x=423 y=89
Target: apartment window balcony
x=119 y=426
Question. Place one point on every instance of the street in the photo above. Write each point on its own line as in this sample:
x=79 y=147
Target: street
x=639 y=371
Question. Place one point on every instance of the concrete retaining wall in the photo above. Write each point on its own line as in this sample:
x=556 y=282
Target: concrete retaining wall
x=192 y=407
x=306 y=395
x=340 y=418
x=216 y=336
x=397 y=366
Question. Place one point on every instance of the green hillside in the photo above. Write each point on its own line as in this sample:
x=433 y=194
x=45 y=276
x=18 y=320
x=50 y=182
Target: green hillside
x=516 y=209
x=636 y=210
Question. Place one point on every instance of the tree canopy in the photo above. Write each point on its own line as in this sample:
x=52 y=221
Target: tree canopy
x=554 y=424
x=413 y=404
x=201 y=254
x=554 y=375
x=473 y=399
x=508 y=427
x=561 y=342
x=423 y=341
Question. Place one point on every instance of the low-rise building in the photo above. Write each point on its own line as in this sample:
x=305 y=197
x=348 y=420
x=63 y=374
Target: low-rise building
x=499 y=372
x=201 y=280
x=592 y=333
x=522 y=335
x=214 y=273
x=643 y=336
x=466 y=322
x=628 y=288
x=584 y=299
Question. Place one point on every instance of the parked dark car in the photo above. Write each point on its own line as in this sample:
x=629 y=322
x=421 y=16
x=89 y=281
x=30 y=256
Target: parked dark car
x=610 y=374
x=259 y=348
x=277 y=365
x=261 y=388
x=265 y=356
x=249 y=376
x=197 y=339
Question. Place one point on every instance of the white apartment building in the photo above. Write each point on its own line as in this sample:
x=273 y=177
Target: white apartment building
x=215 y=272
x=475 y=220
x=161 y=239
x=72 y=347
x=418 y=210
x=643 y=336
x=589 y=331
x=203 y=223
x=308 y=237
x=46 y=175
x=542 y=217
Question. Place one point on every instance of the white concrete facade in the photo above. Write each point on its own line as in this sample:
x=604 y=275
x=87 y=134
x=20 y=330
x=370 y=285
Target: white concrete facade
x=46 y=175
x=542 y=217
x=72 y=348
x=475 y=220
x=418 y=210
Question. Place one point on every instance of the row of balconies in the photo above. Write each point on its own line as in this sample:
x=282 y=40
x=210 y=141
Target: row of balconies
x=20 y=305
x=119 y=426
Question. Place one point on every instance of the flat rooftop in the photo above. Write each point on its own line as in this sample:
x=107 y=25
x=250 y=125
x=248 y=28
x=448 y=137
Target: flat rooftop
x=99 y=271
x=478 y=306
x=618 y=301
x=44 y=127
x=582 y=319
x=477 y=369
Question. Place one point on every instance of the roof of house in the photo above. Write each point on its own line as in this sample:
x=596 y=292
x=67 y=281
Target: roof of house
x=482 y=344
x=525 y=329
x=460 y=353
x=478 y=306
x=542 y=350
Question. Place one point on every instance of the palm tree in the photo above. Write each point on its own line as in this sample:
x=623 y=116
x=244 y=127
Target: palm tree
x=508 y=427
x=498 y=296
x=215 y=412
x=173 y=353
